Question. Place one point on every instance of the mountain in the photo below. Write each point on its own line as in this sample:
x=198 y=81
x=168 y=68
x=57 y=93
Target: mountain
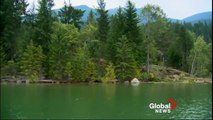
x=204 y=16
x=81 y=7
x=87 y=10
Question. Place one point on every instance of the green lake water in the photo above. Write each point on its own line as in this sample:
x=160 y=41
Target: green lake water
x=40 y=101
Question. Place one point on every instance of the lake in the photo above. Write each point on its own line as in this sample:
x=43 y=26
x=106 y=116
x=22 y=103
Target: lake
x=93 y=101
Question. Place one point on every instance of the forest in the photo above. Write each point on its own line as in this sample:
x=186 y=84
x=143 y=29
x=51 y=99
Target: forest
x=37 y=43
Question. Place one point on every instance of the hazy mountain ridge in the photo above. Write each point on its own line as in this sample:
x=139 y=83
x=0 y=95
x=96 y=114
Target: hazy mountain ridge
x=204 y=16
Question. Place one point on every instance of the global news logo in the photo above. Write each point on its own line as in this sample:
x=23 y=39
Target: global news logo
x=163 y=108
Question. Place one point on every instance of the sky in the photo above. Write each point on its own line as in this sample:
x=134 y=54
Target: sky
x=177 y=9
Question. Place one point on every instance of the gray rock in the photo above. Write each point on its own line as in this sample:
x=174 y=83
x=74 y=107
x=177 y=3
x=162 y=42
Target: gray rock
x=126 y=82
x=27 y=81
x=135 y=81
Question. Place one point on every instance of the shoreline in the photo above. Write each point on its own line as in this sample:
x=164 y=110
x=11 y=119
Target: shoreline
x=189 y=80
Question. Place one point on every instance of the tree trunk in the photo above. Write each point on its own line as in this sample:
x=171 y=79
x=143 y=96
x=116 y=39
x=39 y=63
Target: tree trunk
x=192 y=66
x=148 y=66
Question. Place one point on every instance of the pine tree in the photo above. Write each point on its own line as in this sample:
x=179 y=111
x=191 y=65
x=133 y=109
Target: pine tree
x=117 y=29
x=185 y=43
x=132 y=20
x=91 y=70
x=27 y=30
x=125 y=62
x=10 y=13
x=43 y=23
x=110 y=73
x=31 y=15
x=89 y=36
x=80 y=62
x=91 y=19
x=69 y=15
x=31 y=62
x=103 y=26
x=132 y=30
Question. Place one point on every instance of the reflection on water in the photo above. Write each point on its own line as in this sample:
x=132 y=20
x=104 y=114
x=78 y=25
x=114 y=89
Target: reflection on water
x=104 y=101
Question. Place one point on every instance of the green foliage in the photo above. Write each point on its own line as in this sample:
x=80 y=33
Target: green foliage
x=152 y=13
x=31 y=62
x=132 y=20
x=2 y=58
x=43 y=24
x=155 y=40
x=103 y=21
x=110 y=73
x=10 y=68
x=200 y=58
x=174 y=56
x=154 y=17
x=125 y=61
x=79 y=64
x=132 y=30
x=68 y=70
x=91 y=18
x=201 y=29
x=24 y=38
x=10 y=14
x=181 y=47
x=149 y=77
x=138 y=73
x=70 y=15
x=145 y=76
x=81 y=54
x=117 y=29
x=186 y=44
x=103 y=27
x=89 y=36
x=91 y=71
x=63 y=45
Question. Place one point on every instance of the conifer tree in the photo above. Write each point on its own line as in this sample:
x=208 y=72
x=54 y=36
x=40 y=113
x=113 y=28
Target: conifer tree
x=44 y=23
x=31 y=62
x=110 y=73
x=132 y=20
x=132 y=30
x=103 y=26
x=91 y=19
x=11 y=12
x=69 y=15
x=125 y=62
x=116 y=30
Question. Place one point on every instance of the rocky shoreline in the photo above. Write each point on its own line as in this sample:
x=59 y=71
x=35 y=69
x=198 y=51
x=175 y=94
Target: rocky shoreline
x=185 y=80
x=161 y=75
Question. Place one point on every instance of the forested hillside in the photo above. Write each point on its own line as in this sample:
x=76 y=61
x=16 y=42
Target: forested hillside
x=43 y=45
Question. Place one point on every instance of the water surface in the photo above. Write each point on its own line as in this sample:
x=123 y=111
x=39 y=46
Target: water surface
x=104 y=101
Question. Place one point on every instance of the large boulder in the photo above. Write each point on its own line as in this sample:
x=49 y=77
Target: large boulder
x=135 y=81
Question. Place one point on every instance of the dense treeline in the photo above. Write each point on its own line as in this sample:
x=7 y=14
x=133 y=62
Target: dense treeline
x=44 y=45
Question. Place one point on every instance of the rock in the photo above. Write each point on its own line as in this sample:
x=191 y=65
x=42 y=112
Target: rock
x=18 y=81
x=27 y=81
x=126 y=82
x=57 y=82
x=176 y=77
x=135 y=81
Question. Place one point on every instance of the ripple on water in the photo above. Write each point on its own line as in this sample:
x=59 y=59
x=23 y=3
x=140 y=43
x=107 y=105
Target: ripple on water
x=197 y=109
